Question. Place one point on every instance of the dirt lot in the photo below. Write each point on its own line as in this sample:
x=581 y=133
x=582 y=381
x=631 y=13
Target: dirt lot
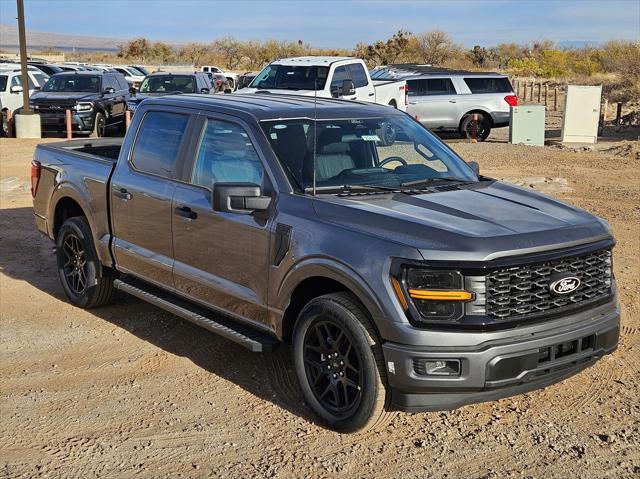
x=129 y=390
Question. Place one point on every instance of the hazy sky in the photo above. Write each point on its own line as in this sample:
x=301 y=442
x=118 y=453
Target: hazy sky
x=335 y=23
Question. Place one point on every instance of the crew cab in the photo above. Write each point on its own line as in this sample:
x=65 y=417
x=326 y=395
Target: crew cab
x=96 y=99
x=328 y=77
x=401 y=277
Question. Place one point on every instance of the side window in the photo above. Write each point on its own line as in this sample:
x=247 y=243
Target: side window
x=339 y=75
x=3 y=82
x=225 y=154
x=417 y=87
x=489 y=85
x=122 y=83
x=107 y=82
x=158 y=142
x=440 y=86
x=358 y=75
x=17 y=81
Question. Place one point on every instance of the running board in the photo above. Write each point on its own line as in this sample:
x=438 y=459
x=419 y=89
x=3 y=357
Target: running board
x=250 y=338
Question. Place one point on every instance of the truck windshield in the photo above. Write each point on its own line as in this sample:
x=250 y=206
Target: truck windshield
x=168 y=84
x=73 y=83
x=391 y=152
x=291 y=77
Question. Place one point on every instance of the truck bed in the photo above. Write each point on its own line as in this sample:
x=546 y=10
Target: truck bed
x=78 y=170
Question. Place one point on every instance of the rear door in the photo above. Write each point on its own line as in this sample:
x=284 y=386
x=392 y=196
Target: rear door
x=221 y=259
x=142 y=189
x=435 y=102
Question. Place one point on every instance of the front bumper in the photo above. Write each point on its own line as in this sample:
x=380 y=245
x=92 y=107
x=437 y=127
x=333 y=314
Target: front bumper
x=81 y=122
x=503 y=367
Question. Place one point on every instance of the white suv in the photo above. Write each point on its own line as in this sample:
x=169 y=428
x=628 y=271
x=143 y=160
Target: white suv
x=11 y=88
x=445 y=100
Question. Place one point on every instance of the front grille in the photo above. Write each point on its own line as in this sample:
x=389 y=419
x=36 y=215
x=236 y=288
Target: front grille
x=524 y=290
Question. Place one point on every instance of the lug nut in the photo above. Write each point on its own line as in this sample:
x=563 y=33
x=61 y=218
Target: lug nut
x=335 y=376
x=341 y=374
x=341 y=363
x=328 y=366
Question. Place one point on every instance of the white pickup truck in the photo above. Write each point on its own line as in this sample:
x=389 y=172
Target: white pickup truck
x=329 y=77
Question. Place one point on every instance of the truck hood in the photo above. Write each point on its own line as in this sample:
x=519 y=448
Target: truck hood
x=277 y=91
x=46 y=96
x=478 y=222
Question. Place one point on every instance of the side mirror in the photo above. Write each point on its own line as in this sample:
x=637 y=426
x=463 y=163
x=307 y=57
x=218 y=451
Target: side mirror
x=475 y=167
x=204 y=91
x=109 y=90
x=348 y=88
x=133 y=90
x=240 y=198
x=16 y=89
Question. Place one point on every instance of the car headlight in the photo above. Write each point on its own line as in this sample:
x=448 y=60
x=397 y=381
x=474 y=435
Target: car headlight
x=428 y=295
x=33 y=106
x=85 y=106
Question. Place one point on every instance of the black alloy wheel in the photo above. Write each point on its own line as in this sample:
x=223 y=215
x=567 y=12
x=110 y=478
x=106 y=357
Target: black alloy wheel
x=75 y=264
x=333 y=367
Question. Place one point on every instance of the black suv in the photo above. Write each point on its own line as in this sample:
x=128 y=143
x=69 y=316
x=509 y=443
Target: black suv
x=96 y=99
x=166 y=83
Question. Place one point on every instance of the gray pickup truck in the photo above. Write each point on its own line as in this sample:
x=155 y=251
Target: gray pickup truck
x=402 y=278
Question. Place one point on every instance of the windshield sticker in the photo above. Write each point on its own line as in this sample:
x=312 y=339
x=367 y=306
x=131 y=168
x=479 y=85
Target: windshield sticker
x=370 y=137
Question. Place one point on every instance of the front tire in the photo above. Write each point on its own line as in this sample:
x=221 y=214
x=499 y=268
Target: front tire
x=99 y=125
x=339 y=363
x=85 y=282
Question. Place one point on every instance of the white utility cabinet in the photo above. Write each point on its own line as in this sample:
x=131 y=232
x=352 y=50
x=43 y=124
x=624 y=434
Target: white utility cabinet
x=526 y=125
x=581 y=114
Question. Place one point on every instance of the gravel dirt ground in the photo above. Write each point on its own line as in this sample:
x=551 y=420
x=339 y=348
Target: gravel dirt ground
x=129 y=390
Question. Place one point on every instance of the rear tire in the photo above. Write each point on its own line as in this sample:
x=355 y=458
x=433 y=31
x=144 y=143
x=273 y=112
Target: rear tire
x=483 y=128
x=339 y=363
x=85 y=282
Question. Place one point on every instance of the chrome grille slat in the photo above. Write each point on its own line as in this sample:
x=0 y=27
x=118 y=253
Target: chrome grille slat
x=524 y=290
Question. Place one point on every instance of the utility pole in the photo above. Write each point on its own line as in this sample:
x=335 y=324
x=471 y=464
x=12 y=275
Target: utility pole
x=23 y=59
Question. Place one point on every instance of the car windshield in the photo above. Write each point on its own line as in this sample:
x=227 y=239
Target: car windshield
x=73 y=83
x=136 y=71
x=392 y=152
x=168 y=84
x=291 y=77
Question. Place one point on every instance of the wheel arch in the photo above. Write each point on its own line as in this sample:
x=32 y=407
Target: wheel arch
x=471 y=112
x=311 y=280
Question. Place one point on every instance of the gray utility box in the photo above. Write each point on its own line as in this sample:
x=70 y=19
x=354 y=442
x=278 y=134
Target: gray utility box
x=527 y=125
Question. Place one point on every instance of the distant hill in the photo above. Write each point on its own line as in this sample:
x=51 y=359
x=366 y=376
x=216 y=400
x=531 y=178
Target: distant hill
x=37 y=40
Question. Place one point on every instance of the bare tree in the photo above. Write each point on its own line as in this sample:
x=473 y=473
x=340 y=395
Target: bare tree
x=435 y=47
x=193 y=52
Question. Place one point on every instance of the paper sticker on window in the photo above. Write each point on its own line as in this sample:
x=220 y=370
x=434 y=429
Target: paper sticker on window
x=370 y=138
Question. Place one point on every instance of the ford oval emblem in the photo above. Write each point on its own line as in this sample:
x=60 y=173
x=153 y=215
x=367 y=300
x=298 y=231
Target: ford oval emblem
x=564 y=285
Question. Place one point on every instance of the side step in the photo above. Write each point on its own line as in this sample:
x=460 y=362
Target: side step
x=252 y=339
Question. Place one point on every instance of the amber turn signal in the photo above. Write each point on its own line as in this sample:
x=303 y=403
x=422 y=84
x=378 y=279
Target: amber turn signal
x=436 y=295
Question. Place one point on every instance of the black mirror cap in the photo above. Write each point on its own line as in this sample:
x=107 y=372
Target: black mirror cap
x=348 y=88
x=475 y=166
x=239 y=198
x=109 y=90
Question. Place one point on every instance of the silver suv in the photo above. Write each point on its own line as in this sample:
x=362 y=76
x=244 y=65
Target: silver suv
x=445 y=100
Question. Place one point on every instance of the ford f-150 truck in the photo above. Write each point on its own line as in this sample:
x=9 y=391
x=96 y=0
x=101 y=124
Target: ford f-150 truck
x=402 y=278
x=330 y=77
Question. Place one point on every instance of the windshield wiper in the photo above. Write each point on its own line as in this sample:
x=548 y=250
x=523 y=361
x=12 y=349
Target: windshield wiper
x=309 y=189
x=428 y=181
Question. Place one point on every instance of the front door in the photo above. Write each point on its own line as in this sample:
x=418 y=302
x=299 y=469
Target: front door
x=141 y=193
x=221 y=259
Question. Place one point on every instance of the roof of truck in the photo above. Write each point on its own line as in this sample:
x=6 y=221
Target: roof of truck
x=265 y=106
x=311 y=60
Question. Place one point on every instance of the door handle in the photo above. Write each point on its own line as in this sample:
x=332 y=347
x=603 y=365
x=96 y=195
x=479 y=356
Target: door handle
x=371 y=94
x=413 y=103
x=186 y=212
x=122 y=193
x=452 y=101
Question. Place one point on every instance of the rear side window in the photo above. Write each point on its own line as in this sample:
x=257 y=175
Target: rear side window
x=108 y=82
x=122 y=83
x=489 y=85
x=226 y=154
x=158 y=142
x=440 y=86
x=358 y=75
x=431 y=86
x=3 y=82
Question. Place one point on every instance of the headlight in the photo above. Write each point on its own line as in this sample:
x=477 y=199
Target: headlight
x=33 y=106
x=429 y=295
x=87 y=106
